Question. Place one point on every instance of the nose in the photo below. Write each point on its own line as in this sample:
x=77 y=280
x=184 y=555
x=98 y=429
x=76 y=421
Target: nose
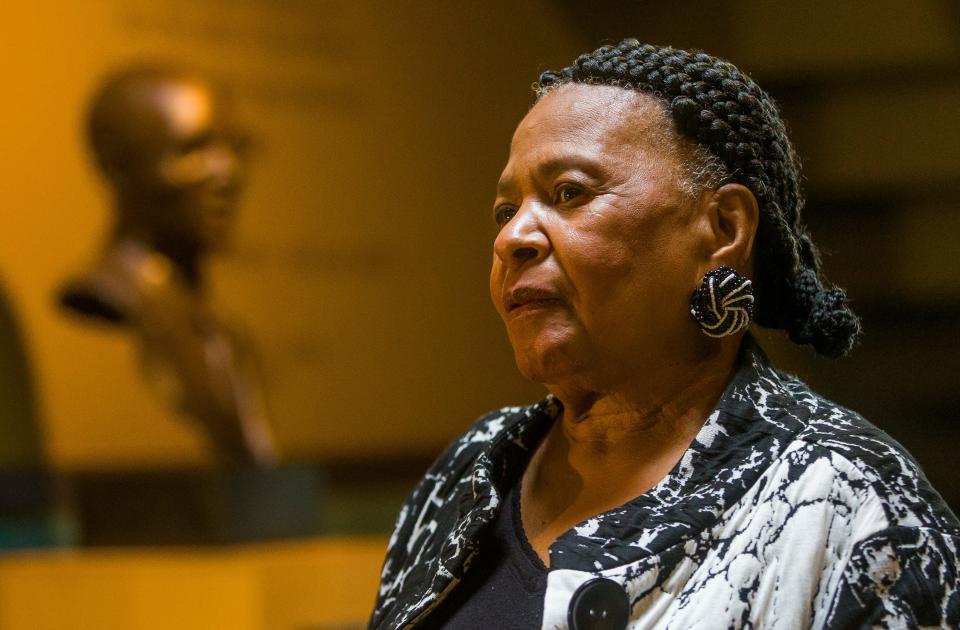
x=224 y=164
x=217 y=165
x=522 y=239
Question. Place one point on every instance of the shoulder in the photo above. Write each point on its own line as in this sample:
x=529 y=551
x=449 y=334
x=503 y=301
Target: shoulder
x=435 y=496
x=486 y=431
x=504 y=425
x=899 y=577
x=857 y=448
x=454 y=469
x=456 y=495
x=890 y=540
x=93 y=295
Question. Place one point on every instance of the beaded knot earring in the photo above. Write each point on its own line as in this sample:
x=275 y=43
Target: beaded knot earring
x=723 y=303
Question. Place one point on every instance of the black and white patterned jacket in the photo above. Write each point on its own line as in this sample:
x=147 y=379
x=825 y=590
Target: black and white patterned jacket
x=786 y=511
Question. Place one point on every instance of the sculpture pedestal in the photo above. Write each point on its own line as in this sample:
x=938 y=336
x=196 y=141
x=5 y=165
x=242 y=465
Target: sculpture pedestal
x=198 y=507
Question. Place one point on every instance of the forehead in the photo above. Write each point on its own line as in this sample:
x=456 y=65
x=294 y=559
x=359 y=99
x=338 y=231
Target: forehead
x=175 y=110
x=594 y=114
x=152 y=114
x=610 y=126
x=186 y=108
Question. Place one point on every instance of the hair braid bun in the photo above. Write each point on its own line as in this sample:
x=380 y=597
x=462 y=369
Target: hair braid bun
x=828 y=325
x=729 y=116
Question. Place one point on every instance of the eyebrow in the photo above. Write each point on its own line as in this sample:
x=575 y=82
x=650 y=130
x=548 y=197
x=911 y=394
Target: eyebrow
x=550 y=167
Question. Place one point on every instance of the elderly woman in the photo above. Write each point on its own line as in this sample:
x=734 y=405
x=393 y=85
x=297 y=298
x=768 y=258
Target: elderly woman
x=649 y=209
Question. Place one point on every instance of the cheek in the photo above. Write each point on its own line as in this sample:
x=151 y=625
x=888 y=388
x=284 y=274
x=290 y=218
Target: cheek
x=622 y=274
x=184 y=171
x=496 y=283
x=604 y=250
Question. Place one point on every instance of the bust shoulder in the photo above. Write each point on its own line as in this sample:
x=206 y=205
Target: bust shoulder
x=125 y=281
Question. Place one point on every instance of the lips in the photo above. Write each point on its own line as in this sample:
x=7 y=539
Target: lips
x=521 y=299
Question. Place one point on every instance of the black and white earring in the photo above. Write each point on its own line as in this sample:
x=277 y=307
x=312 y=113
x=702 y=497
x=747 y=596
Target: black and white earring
x=723 y=303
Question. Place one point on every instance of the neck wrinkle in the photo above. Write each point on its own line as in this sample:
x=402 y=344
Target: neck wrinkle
x=636 y=410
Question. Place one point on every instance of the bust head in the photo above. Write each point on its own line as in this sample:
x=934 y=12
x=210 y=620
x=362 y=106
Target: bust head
x=165 y=141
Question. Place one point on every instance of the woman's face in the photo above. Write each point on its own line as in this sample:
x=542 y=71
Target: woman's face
x=599 y=248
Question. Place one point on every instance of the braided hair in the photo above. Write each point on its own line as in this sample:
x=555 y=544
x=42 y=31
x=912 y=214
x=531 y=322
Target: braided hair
x=739 y=137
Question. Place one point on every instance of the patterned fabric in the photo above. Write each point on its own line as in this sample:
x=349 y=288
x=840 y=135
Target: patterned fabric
x=786 y=511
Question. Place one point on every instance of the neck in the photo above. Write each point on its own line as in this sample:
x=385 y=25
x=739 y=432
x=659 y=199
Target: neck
x=185 y=260
x=617 y=441
x=666 y=403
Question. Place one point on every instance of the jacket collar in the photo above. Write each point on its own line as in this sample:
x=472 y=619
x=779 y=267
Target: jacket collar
x=750 y=425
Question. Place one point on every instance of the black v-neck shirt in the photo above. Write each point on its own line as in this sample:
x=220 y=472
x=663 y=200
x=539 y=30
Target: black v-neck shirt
x=505 y=586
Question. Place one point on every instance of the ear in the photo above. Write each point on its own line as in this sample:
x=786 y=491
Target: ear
x=734 y=215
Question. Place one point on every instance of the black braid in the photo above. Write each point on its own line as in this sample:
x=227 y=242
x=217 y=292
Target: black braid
x=725 y=112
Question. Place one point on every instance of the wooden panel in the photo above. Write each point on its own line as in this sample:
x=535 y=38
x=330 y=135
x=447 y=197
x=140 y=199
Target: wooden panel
x=853 y=140
x=825 y=37
x=907 y=252
x=324 y=583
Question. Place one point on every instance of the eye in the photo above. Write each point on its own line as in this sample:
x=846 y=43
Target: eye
x=502 y=214
x=567 y=192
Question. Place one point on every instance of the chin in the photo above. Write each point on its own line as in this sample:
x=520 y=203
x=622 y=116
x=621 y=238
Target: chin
x=545 y=365
x=546 y=354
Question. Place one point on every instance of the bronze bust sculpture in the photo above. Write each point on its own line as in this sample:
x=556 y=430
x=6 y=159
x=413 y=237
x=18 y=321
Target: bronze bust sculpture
x=166 y=144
